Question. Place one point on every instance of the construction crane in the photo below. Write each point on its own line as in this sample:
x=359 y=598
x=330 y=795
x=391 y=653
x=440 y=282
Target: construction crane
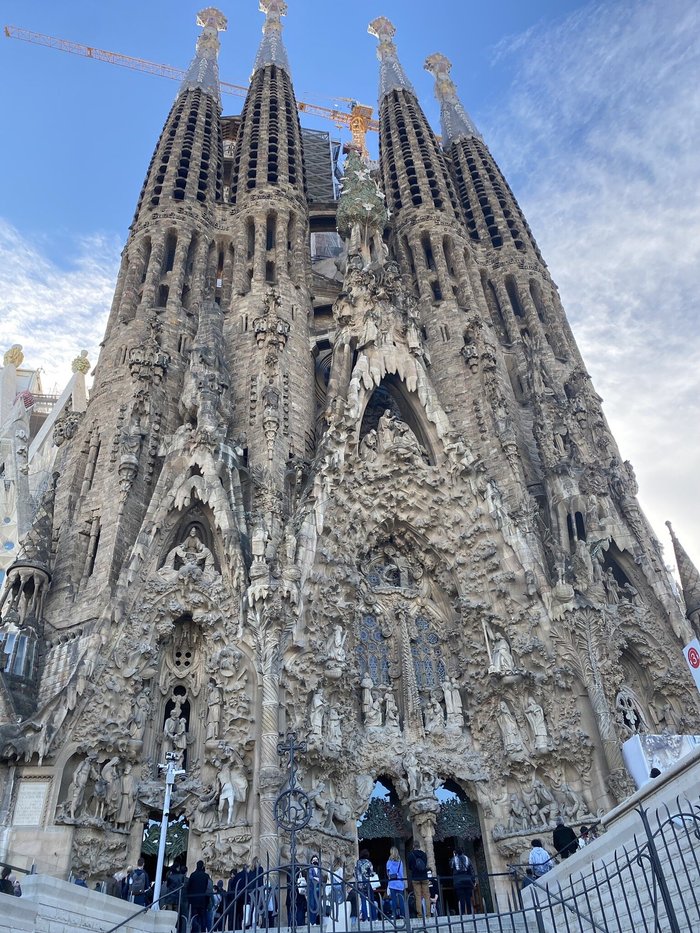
x=358 y=120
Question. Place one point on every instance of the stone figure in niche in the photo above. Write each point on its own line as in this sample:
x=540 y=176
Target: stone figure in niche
x=335 y=647
x=139 y=715
x=213 y=710
x=206 y=809
x=541 y=806
x=233 y=789
x=85 y=771
x=191 y=551
x=175 y=735
x=319 y=708
x=499 y=650
x=335 y=737
x=410 y=763
x=453 y=704
x=368 y=446
x=392 y=725
x=519 y=817
x=582 y=566
x=386 y=431
x=573 y=806
x=127 y=801
x=612 y=590
x=535 y=716
x=512 y=739
x=371 y=704
x=434 y=716
x=110 y=779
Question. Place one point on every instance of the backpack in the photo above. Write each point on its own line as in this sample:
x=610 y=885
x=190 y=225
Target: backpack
x=138 y=881
x=420 y=863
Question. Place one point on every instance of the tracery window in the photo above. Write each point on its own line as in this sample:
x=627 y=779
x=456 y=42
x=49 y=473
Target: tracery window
x=427 y=654
x=629 y=713
x=373 y=650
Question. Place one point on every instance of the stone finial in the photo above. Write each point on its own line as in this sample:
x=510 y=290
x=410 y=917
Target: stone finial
x=203 y=73
x=14 y=356
x=391 y=74
x=81 y=364
x=456 y=122
x=272 y=50
x=213 y=19
x=689 y=577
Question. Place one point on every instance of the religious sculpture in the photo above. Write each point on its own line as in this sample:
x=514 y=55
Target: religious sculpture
x=535 y=716
x=85 y=771
x=175 y=735
x=512 y=738
x=453 y=704
x=499 y=650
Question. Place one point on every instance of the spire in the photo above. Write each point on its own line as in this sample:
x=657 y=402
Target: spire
x=203 y=73
x=456 y=122
x=272 y=50
x=391 y=75
x=689 y=574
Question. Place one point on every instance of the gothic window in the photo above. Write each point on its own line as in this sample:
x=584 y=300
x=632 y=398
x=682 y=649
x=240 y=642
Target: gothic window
x=628 y=712
x=428 y=659
x=373 y=651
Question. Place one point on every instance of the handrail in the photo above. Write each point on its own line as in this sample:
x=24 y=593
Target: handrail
x=143 y=910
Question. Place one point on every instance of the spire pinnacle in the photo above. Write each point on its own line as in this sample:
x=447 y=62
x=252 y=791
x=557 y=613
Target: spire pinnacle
x=456 y=122
x=272 y=50
x=391 y=74
x=689 y=575
x=203 y=73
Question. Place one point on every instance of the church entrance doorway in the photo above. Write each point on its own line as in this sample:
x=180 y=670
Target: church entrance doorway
x=458 y=827
x=384 y=824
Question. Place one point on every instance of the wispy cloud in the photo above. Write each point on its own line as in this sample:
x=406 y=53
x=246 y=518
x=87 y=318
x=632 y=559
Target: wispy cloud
x=600 y=139
x=55 y=312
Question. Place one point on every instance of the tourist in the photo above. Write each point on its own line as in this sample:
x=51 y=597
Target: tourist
x=396 y=883
x=584 y=837
x=139 y=883
x=235 y=898
x=363 y=877
x=564 y=839
x=314 y=891
x=540 y=860
x=18 y=888
x=464 y=876
x=337 y=892
x=528 y=879
x=175 y=879
x=434 y=886
x=79 y=879
x=197 y=887
x=6 y=886
x=302 y=904
x=255 y=901
x=418 y=866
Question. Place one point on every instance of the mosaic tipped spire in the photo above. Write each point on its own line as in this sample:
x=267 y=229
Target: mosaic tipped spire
x=455 y=121
x=272 y=50
x=392 y=77
x=689 y=575
x=203 y=73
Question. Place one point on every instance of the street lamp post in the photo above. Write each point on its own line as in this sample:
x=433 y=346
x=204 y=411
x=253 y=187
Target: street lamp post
x=171 y=773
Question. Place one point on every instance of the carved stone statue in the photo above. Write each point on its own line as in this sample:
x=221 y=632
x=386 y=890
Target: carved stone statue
x=519 y=817
x=453 y=704
x=335 y=648
x=191 y=551
x=541 y=805
x=391 y=724
x=371 y=704
x=434 y=716
x=335 y=736
x=512 y=739
x=85 y=771
x=319 y=708
x=213 y=710
x=127 y=801
x=535 y=716
x=111 y=778
x=140 y=714
x=573 y=806
x=501 y=656
x=175 y=735
x=233 y=789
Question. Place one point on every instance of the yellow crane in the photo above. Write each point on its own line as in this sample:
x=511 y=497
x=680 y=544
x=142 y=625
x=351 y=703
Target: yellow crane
x=358 y=120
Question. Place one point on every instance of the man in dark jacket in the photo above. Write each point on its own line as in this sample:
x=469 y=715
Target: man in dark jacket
x=418 y=867
x=564 y=839
x=197 y=886
x=236 y=898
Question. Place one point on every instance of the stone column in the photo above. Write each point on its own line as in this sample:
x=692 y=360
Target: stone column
x=155 y=267
x=506 y=310
x=423 y=812
x=177 y=276
x=270 y=776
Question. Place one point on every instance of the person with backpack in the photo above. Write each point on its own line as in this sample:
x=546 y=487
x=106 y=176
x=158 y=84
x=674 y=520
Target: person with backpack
x=464 y=877
x=418 y=866
x=363 y=878
x=139 y=884
x=396 y=883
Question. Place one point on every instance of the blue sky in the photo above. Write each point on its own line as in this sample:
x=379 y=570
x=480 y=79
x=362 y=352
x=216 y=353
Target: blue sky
x=591 y=108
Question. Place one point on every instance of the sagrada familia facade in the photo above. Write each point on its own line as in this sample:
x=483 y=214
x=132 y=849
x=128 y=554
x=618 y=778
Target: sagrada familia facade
x=373 y=500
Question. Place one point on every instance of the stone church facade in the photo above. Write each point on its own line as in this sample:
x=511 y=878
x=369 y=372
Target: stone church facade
x=373 y=500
